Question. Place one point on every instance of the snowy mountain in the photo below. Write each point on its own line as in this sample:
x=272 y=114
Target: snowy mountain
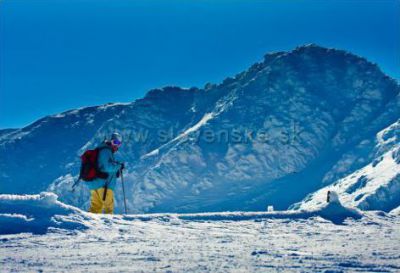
x=289 y=126
x=375 y=186
x=31 y=157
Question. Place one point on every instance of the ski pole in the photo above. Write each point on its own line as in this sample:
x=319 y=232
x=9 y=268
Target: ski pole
x=75 y=184
x=123 y=191
x=106 y=187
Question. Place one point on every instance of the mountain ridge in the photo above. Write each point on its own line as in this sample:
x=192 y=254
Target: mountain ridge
x=336 y=98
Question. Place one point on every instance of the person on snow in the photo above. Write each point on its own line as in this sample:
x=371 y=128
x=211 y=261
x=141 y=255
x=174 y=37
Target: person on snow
x=101 y=189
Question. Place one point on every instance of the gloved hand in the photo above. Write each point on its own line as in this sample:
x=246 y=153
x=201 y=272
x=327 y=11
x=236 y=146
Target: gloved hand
x=120 y=169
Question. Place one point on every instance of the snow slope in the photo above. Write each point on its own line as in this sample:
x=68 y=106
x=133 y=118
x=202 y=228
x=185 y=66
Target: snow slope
x=376 y=186
x=286 y=127
x=74 y=241
x=395 y=211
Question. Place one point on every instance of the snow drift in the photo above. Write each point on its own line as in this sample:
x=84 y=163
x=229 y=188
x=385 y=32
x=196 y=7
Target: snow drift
x=38 y=213
x=333 y=211
x=395 y=212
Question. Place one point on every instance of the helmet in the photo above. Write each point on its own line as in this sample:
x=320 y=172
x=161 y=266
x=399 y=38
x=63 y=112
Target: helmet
x=116 y=139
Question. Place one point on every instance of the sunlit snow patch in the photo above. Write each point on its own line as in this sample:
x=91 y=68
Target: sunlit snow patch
x=37 y=213
x=373 y=187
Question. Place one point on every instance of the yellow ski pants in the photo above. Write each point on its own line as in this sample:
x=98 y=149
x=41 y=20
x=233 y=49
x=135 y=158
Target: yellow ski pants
x=97 y=204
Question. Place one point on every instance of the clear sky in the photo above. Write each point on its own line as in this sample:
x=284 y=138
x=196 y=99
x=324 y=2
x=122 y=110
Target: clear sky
x=57 y=55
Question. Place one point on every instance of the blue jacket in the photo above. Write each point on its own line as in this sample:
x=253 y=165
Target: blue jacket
x=107 y=164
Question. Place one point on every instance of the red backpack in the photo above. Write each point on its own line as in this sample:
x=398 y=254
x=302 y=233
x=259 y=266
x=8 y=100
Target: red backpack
x=89 y=166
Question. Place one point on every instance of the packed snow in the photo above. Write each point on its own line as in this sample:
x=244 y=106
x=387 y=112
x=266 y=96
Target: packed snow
x=57 y=237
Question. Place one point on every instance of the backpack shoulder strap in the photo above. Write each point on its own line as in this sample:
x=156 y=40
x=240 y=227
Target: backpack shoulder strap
x=102 y=148
x=101 y=174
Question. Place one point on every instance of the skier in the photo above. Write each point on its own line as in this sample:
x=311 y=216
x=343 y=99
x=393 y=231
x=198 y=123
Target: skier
x=101 y=189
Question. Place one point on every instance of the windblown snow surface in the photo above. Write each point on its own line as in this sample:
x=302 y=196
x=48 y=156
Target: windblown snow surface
x=40 y=234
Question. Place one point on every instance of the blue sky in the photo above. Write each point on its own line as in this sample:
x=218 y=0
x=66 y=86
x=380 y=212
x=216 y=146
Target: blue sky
x=64 y=54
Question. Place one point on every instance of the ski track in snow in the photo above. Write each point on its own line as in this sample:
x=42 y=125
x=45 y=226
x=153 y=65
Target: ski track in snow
x=129 y=244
